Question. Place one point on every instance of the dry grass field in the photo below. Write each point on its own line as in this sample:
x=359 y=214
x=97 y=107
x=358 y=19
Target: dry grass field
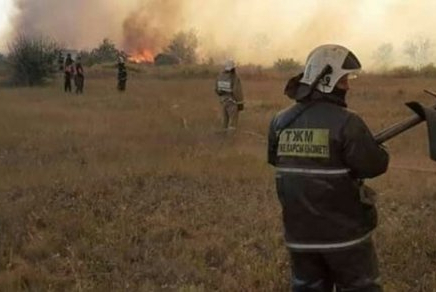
x=140 y=192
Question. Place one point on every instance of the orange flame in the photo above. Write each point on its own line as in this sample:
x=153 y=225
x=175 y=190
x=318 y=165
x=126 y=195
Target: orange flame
x=144 y=56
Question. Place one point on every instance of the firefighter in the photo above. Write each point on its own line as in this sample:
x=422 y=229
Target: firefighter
x=68 y=71
x=322 y=152
x=79 y=77
x=122 y=74
x=229 y=89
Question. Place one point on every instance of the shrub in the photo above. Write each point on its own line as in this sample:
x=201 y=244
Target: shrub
x=428 y=71
x=32 y=60
x=287 y=65
x=166 y=59
x=105 y=52
x=402 y=72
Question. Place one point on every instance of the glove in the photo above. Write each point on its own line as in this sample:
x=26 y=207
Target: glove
x=240 y=107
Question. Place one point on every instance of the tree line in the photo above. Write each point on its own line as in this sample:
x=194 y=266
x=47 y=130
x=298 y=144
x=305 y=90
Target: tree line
x=33 y=60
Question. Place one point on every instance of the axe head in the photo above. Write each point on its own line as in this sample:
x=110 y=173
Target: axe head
x=429 y=114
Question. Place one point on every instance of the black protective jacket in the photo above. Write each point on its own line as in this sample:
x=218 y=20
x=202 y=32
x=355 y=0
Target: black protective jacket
x=122 y=72
x=321 y=152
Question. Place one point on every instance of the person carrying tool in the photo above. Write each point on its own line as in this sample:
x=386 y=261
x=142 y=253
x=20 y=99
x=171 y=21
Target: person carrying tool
x=122 y=75
x=229 y=89
x=322 y=152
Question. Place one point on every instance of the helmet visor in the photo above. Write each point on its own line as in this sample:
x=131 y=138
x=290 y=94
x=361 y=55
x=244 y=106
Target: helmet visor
x=351 y=62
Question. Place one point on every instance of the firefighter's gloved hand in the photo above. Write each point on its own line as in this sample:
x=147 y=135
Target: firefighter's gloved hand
x=240 y=107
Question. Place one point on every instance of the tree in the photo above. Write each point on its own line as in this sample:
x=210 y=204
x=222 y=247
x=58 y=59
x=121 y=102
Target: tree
x=418 y=51
x=184 y=46
x=105 y=52
x=384 y=56
x=32 y=60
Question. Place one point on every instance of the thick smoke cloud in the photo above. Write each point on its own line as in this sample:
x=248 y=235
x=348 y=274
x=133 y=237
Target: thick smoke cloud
x=151 y=25
x=251 y=31
x=77 y=24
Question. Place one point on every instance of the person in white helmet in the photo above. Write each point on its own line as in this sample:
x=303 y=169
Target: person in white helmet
x=229 y=88
x=322 y=152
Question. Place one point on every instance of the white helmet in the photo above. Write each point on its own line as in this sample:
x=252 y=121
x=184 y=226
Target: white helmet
x=229 y=65
x=341 y=60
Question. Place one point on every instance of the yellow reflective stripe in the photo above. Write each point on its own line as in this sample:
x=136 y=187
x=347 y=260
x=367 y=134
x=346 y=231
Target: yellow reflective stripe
x=313 y=171
x=328 y=245
x=304 y=143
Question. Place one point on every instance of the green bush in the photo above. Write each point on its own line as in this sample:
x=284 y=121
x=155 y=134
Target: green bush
x=32 y=60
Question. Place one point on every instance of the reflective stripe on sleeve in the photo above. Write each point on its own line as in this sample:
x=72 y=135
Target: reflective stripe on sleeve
x=328 y=245
x=313 y=171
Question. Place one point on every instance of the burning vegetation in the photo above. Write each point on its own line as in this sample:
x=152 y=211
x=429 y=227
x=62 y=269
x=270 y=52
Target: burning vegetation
x=144 y=32
x=144 y=56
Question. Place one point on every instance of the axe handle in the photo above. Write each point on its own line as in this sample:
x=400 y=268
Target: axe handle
x=430 y=92
x=398 y=128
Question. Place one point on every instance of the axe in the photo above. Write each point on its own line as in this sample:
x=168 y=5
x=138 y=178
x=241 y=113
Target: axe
x=422 y=113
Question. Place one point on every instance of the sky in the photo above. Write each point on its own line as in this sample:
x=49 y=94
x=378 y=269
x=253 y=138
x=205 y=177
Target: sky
x=250 y=31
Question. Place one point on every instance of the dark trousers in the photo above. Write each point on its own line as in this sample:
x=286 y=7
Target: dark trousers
x=79 y=81
x=350 y=270
x=122 y=85
x=67 y=83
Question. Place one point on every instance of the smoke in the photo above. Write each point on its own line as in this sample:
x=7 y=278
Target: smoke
x=151 y=25
x=255 y=31
x=76 y=24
